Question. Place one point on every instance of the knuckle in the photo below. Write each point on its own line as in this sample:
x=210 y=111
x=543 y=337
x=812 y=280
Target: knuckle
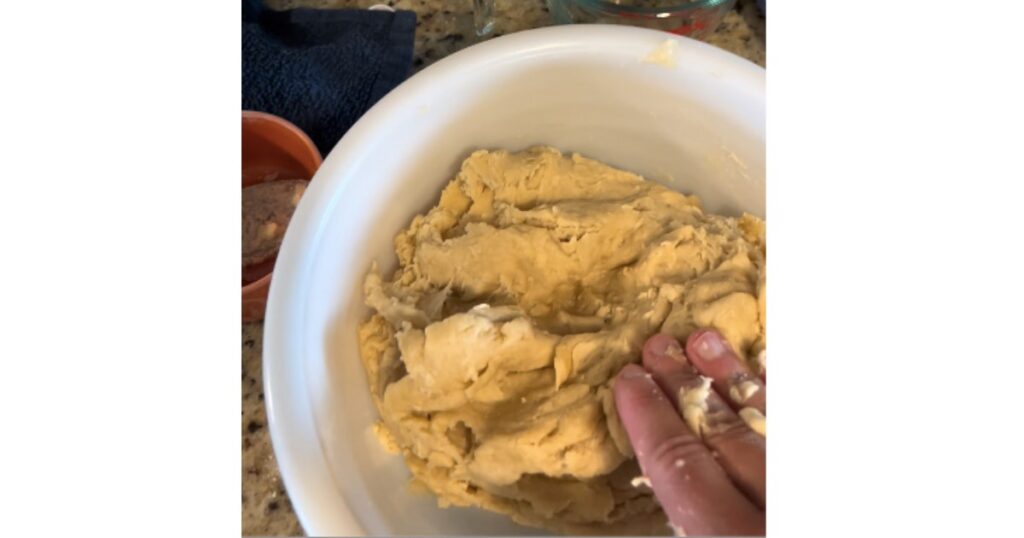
x=678 y=447
x=732 y=432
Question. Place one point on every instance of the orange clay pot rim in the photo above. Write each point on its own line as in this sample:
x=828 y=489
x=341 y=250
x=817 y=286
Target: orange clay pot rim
x=308 y=142
x=261 y=281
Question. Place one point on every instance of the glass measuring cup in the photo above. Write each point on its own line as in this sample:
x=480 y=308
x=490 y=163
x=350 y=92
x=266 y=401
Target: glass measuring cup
x=695 y=18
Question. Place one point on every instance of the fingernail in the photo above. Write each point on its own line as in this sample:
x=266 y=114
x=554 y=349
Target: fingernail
x=632 y=371
x=709 y=346
x=668 y=346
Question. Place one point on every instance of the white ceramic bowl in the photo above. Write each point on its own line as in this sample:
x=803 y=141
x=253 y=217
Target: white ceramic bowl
x=698 y=127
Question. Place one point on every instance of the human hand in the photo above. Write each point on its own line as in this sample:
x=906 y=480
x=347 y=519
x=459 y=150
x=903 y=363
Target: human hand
x=707 y=469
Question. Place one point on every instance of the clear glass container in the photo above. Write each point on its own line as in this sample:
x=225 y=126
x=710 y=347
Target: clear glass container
x=695 y=18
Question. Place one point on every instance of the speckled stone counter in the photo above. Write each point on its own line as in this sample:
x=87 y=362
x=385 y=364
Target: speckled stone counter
x=266 y=510
x=443 y=27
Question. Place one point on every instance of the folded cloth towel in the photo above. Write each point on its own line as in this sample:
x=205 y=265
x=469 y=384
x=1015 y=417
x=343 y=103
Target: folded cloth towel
x=321 y=69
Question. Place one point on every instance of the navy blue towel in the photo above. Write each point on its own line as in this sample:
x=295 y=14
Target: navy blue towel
x=322 y=69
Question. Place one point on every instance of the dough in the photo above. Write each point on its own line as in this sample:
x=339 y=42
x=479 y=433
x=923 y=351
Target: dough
x=517 y=299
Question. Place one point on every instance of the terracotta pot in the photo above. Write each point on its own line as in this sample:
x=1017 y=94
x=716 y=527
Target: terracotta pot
x=272 y=149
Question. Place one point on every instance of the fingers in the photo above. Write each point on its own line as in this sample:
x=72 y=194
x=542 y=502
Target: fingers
x=712 y=356
x=694 y=491
x=740 y=451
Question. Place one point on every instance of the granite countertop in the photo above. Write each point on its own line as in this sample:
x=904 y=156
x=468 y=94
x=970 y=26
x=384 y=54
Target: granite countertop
x=443 y=27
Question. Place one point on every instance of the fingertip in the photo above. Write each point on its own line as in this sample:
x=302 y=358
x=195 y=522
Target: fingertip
x=631 y=371
x=711 y=353
x=626 y=378
x=707 y=345
x=631 y=390
x=660 y=346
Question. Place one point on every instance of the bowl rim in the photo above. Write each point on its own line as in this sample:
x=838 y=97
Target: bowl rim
x=318 y=503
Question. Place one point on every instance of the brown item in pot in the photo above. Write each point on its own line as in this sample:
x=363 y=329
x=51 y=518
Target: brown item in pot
x=266 y=210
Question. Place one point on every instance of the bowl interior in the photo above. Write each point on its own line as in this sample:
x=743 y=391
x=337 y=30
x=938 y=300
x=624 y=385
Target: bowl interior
x=697 y=127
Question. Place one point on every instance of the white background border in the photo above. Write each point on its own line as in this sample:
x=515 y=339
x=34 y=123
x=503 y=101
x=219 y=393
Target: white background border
x=894 y=143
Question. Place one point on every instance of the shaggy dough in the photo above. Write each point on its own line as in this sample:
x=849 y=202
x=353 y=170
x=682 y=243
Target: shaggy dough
x=517 y=299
